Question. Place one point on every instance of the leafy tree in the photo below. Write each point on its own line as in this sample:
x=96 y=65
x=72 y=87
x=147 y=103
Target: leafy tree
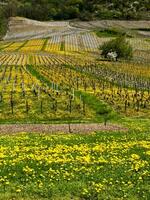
x=3 y=22
x=82 y=9
x=118 y=45
x=106 y=113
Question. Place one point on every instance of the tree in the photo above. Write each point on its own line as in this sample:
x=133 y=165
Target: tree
x=3 y=21
x=83 y=9
x=106 y=113
x=11 y=8
x=119 y=45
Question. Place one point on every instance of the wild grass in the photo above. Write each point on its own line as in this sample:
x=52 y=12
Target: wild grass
x=98 y=166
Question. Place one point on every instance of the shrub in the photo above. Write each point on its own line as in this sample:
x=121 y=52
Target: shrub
x=118 y=45
x=110 y=32
x=106 y=113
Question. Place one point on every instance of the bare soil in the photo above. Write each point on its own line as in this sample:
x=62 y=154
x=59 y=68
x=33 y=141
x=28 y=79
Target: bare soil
x=125 y=24
x=58 y=128
x=23 y=29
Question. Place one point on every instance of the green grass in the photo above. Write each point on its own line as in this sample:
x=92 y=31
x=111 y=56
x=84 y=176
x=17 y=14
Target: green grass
x=35 y=73
x=44 y=45
x=98 y=105
x=136 y=123
x=148 y=40
x=107 y=32
x=62 y=47
x=104 y=165
x=111 y=32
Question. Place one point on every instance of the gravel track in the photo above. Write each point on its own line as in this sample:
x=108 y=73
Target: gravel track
x=58 y=128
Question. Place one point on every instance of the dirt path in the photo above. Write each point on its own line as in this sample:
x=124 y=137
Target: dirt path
x=42 y=128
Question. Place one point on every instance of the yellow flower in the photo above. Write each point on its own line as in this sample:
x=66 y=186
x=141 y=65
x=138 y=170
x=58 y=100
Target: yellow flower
x=7 y=182
x=85 y=191
x=135 y=157
x=18 y=190
x=27 y=170
x=148 y=153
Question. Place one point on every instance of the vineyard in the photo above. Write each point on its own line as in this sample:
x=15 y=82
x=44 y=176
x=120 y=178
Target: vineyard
x=127 y=93
x=23 y=97
x=38 y=76
x=54 y=80
x=56 y=91
x=74 y=45
x=87 y=42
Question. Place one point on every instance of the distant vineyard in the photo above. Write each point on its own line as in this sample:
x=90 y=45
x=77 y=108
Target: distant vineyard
x=35 y=59
x=51 y=76
x=72 y=43
x=69 y=42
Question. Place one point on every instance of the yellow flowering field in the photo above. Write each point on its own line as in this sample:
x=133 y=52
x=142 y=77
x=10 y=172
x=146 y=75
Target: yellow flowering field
x=14 y=46
x=33 y=45
x=97 y=166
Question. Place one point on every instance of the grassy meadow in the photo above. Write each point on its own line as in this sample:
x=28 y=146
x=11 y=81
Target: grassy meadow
x=101 y=165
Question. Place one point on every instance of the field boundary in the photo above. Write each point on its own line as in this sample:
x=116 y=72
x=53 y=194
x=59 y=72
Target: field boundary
x=59 y=128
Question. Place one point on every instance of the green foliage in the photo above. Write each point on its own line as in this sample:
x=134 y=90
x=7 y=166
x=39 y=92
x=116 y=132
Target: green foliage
x=44 y=45
x=109 y=32
x=118 y=45
x=106 y=113
x=3 y=23
x=113 y=32
x=82 y=9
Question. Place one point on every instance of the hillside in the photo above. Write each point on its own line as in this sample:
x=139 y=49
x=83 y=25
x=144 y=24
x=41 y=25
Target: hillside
x=49 y=58
x=74 y=100
x=23 y=28
x=82 y=9
x=85 y=10
x=20 y=28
